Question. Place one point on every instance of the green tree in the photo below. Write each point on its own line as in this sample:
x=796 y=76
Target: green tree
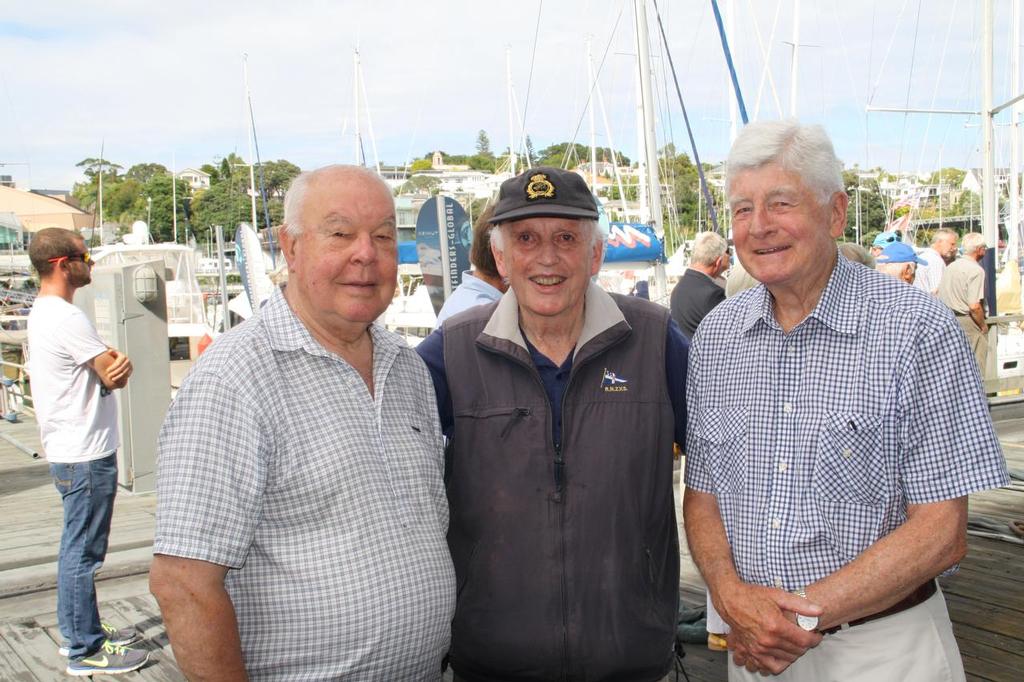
x=873 y=215
x=155 y=203
x=143 y=172
x=483 y=143
x=420 y=183
x=277 y=176
x=91 y=166
x=420 y=165
x=530 y=153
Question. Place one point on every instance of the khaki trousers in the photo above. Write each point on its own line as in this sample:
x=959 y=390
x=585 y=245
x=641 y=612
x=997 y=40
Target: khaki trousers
x=916 y=645
x=976 y=340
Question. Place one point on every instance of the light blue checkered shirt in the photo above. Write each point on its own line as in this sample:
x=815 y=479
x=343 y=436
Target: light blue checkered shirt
x=327 y=503
x=814 y=442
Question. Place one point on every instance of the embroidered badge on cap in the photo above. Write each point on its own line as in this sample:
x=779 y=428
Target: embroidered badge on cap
x=539 y=187
x=613 y=384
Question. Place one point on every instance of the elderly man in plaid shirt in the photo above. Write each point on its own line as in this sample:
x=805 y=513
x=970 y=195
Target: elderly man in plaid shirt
x=837 y=425
x=301 y=515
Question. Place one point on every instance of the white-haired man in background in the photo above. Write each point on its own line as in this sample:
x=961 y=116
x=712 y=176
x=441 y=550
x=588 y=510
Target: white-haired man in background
x=697 y=293
x=962 y=289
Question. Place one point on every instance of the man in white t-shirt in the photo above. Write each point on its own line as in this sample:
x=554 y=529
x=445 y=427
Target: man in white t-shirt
x=941 y=253
x=73 y=374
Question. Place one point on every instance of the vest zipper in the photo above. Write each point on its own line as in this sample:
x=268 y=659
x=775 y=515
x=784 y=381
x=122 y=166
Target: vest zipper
x=517 y=414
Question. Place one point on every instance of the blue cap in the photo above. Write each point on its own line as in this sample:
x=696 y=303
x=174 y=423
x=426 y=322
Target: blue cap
x=898 y=252
x=885 y=238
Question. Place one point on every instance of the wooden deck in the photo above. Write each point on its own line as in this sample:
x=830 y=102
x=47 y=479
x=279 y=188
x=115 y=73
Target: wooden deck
x=986 y=598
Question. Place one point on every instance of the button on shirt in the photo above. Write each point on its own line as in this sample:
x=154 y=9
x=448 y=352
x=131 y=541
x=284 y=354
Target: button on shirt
x=814 y=442
x=326 y=503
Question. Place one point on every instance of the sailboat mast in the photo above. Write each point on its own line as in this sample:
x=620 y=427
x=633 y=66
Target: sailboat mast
x=1013 y=230
x=590 y=105
x=360 y=158
x=511 y=113
x=174 y=197
x=650 y=146
x=796 y=58
x=988 y=177
x=252 y=167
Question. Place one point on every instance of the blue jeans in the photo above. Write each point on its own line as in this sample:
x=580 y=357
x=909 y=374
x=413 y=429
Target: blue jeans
x=87 y=490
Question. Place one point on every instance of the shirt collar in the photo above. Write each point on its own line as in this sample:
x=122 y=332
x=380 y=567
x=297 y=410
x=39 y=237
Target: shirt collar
x=837 y=308
x=286 y=331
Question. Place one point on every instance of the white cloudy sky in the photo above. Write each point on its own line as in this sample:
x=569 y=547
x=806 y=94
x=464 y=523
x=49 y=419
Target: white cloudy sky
x=161 y=81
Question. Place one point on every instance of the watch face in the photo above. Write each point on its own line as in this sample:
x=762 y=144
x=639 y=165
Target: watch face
x=807 y=622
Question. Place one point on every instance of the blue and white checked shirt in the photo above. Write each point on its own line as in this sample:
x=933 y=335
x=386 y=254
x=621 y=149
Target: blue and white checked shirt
x=326 y=503
x=814 y=442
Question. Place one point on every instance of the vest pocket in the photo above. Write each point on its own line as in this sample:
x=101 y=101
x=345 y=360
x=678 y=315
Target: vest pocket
x=724 y=431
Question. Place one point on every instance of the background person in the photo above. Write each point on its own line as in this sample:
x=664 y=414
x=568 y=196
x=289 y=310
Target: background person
x=482 y=284
x=941 y=253
x=696 y=292
x=962 y=289
x=899 y=260
x=301 y=514
x=73 y=375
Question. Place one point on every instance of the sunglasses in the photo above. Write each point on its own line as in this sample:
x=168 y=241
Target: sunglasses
x=84 y=257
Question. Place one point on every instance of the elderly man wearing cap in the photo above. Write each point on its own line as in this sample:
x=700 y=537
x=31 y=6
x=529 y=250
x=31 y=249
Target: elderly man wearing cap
x=900 y=261
x=562 y=403
x=822 y=498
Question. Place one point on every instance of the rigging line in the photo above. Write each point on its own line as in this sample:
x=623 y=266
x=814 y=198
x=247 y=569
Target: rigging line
x=263 y=187
x=766 y=57
x=910 y=80
x=533 y=59
x=867 y=89
x=686 y=118
x=728 y=61
x=846 y=58
x=888 y=51
x=597 y=74
x=938 y=80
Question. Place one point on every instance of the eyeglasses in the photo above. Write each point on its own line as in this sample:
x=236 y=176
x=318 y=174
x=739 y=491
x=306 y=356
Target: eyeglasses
x=84 y=257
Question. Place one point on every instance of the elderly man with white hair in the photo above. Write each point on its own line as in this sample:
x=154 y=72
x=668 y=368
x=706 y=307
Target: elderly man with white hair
x=822 y=499
x=562 y=403
x=962 y=289
x=697 y=293
x=301 y=513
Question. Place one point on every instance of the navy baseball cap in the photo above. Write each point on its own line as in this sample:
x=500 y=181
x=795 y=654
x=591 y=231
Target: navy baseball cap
x=544 y=192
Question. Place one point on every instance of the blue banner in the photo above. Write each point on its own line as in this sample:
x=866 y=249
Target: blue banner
x=632 y=243
x=443 y=236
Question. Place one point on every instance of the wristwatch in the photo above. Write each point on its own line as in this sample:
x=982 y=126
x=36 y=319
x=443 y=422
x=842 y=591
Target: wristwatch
x=808 y=623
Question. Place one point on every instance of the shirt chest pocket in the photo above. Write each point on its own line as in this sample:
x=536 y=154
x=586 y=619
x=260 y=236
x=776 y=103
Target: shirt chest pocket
x=850 y=465
x=723 y=435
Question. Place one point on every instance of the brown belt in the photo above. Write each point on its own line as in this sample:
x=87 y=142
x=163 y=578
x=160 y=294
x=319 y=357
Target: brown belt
x=918 y=596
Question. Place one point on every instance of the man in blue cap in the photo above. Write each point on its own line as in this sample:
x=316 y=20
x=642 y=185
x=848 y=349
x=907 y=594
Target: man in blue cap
x=900 y=261
x=561 y=403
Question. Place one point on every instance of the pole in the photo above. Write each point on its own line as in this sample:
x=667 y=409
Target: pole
x=252 y=174
x=650 y=146
x=360 y=159
x=796 y=58
x=593 y=132
x=511 y=113
x=226 y=321
x=174 y=198
x=1013 y=229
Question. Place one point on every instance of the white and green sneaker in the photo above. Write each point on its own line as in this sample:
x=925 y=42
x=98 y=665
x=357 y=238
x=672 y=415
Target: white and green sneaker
x=122 y=637
x=111 y=659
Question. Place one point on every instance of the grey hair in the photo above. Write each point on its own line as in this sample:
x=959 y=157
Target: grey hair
x=708 y=247
x=498 y=233
x=295 y=197
x=944 y=232
x=895 y=269
x=857 y=254
x=972 y=241
x=804 y=150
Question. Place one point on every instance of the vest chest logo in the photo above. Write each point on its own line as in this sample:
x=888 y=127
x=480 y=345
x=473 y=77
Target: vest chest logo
x=610 y=383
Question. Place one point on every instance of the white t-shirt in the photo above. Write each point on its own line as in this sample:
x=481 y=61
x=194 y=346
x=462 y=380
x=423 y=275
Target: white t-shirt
x=929 y=276
x=77 y=416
